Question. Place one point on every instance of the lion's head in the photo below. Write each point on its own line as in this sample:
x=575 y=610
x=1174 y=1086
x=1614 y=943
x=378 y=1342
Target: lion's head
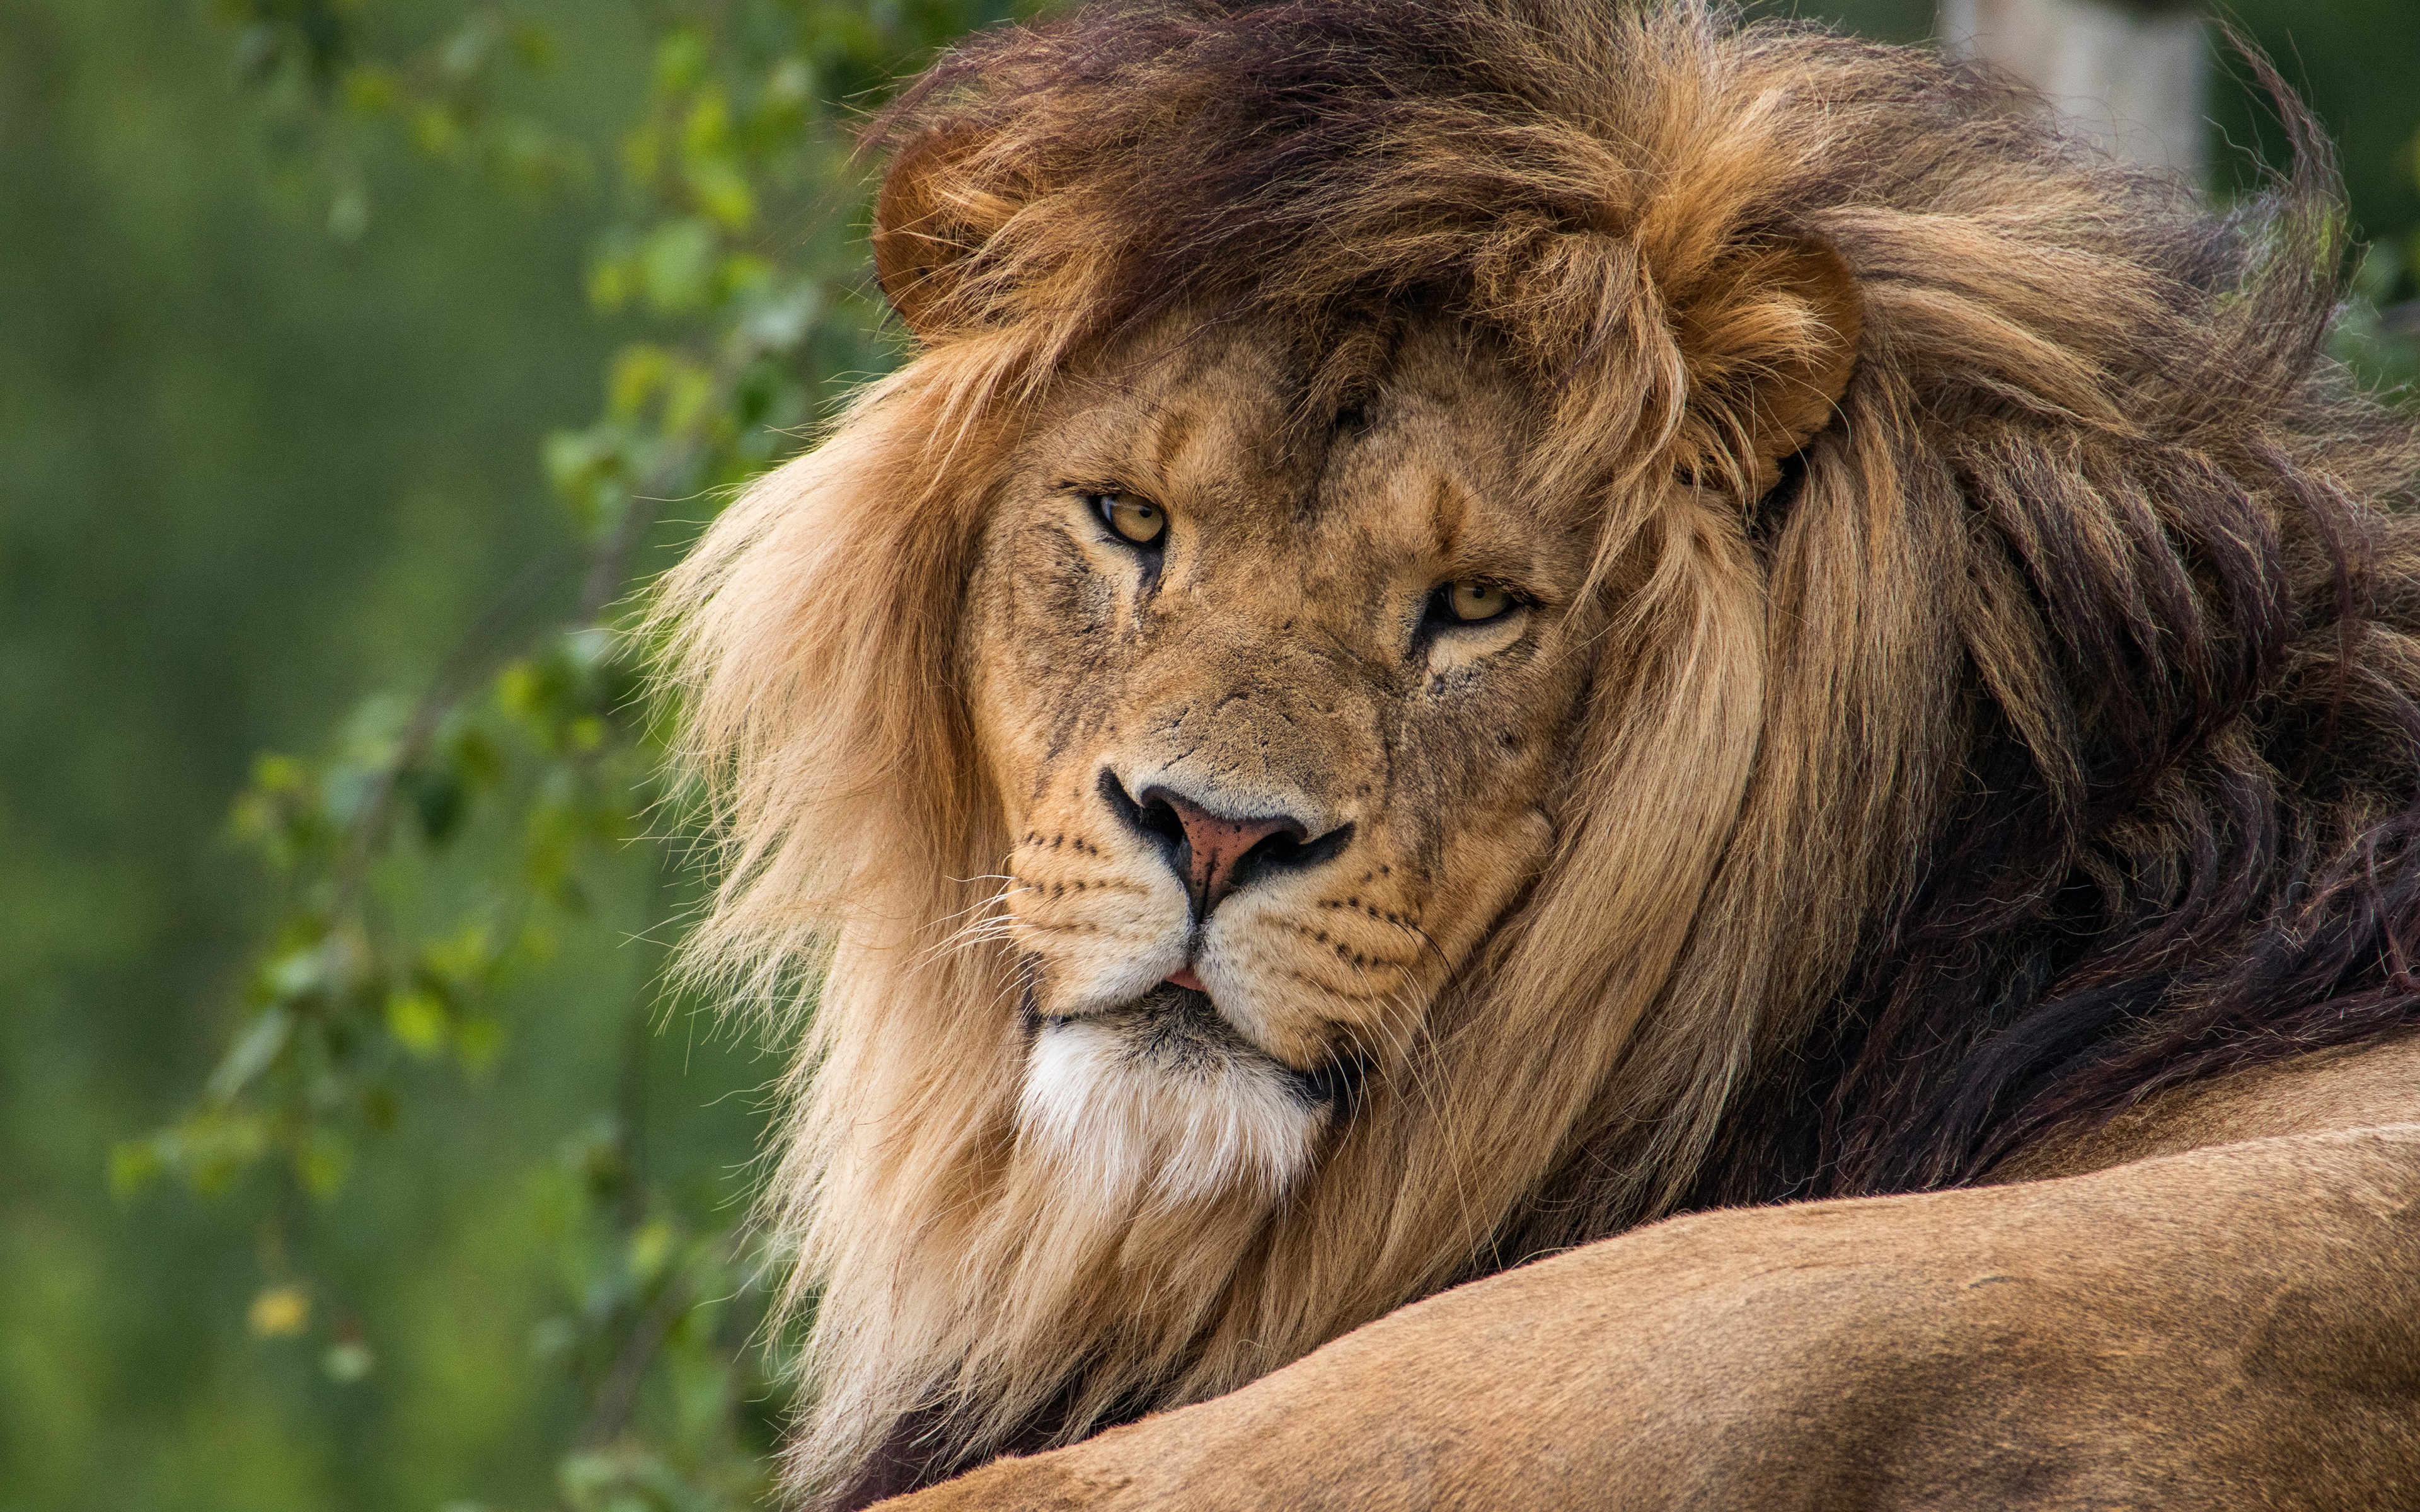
x=1275 y=714
x=1447 y=587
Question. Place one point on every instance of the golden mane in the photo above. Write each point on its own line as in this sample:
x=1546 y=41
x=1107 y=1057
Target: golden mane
x=2008 y=692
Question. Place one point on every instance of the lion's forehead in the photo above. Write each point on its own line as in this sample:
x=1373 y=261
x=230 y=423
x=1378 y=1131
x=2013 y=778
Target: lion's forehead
x=1272 y=660
x=1314 y=493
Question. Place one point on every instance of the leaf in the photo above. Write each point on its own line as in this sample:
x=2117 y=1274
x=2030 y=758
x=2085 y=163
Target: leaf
x=349 y=213
x=533 y=46
x=254 y=1050
x=776 y=322
x=370 y=90
x=348 y=1361
x=472 y=756
x=418 y=1021
x=210 y=1147
x=322 y=1163
x=133 y=1165
x=650 y=1248
x=463 y=959
x=438 y=129
x=723 y=191
x=676 y=265
x=790 y=87
x=681 y=60
x=279 y=1312
x=589 y=647
x=689 y=399
x=639 y=372
x=466 y=52
x=438 y=800
x=626 y=1479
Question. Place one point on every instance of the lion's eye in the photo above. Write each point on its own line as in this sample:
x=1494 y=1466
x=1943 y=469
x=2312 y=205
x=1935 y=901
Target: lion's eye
x=1135 y=520
x=1470 y=603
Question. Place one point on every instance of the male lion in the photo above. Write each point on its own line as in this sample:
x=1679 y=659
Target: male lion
x=1480 y=622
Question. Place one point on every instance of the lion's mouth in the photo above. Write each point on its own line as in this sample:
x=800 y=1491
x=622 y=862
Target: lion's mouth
x=1161 y=1101
x=1177 y=1031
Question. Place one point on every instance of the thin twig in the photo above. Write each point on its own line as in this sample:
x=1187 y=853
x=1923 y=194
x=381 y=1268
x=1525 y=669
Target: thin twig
x=484 y=644
x=619 y=1394
x=477 y=650
x=612 y=567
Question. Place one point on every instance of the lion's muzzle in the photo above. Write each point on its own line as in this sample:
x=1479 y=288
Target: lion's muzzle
x=1213 y=854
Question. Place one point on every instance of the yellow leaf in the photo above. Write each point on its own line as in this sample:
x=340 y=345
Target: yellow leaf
x=279 y=1312
x=417 y=1021
x=638 y=371
x=650 y=1247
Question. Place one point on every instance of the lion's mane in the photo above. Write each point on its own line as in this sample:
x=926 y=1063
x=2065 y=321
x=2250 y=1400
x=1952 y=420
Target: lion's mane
x=2045 y=737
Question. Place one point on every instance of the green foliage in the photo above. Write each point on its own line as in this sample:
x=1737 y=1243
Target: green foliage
x=459 y=839
x=436 y=851
x=2379 y=332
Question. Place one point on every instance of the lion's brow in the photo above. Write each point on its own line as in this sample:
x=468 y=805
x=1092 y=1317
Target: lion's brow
x=1449 y=511
x=1175 y=427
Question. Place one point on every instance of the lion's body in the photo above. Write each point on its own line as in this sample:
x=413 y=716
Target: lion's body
x=2229 y=1316
x=1483 y=621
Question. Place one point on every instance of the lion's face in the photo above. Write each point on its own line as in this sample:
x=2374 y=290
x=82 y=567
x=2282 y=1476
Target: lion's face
x=1275 y=714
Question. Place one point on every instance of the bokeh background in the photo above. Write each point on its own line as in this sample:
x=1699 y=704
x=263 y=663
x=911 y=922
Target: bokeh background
x=353 y=357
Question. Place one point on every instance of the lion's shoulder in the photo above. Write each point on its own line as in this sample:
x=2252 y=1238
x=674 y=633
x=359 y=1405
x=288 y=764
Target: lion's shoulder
x=2354 y=1087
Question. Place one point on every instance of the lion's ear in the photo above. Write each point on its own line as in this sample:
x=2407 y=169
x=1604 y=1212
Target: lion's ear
x=936 y=209
x=1769 y=339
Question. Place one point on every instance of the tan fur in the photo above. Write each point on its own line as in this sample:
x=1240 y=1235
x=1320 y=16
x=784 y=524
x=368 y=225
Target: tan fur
x=2229 y=1320
x=1609 y=859
x=2312 y=1094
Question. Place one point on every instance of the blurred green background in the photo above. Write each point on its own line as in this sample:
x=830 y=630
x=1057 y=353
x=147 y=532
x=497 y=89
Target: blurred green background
x=274 y=385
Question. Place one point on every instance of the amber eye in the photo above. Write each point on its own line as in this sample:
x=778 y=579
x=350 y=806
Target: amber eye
x=1472 y=602
x=1135 y=520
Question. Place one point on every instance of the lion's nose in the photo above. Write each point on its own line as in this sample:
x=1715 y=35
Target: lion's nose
x=1212 y=854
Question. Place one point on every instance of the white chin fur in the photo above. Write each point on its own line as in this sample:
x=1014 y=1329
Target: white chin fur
x=1128 y=1116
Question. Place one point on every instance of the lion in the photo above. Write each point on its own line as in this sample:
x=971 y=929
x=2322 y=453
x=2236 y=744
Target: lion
x=1553 y=755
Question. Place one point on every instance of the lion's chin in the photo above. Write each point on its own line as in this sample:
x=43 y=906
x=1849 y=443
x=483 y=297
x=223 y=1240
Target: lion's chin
x=1163 y=1103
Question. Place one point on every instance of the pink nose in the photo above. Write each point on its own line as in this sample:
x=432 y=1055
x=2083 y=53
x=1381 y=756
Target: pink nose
x=1216 y=845
x=1211 y=854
